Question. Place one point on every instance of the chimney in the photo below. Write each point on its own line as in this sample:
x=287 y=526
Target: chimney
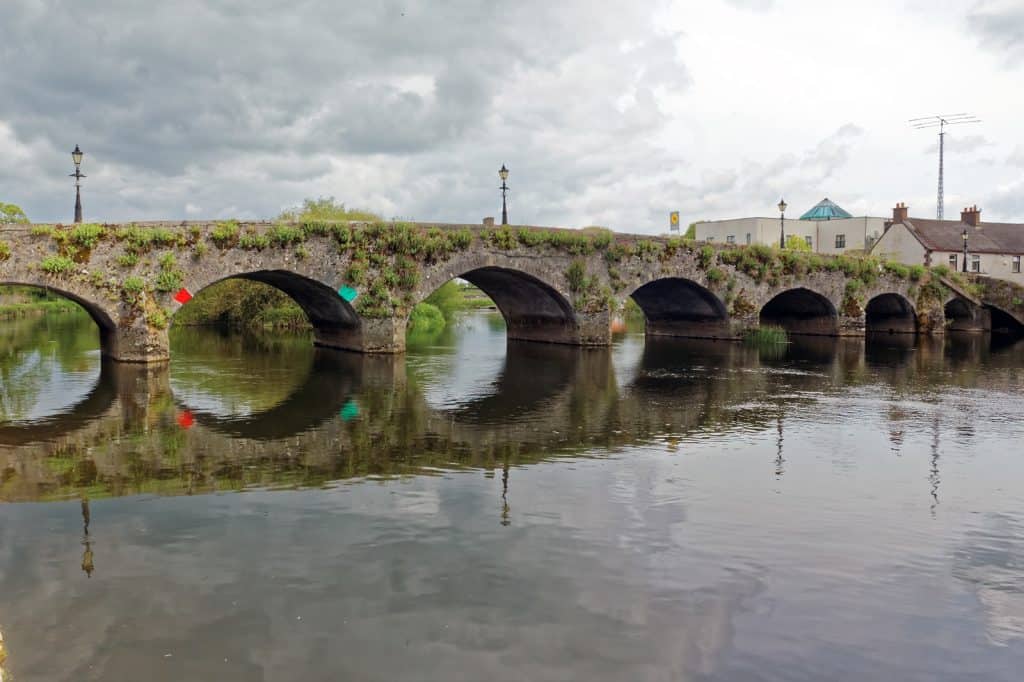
x=488 y=221
x=899 y=214
x=971 y=216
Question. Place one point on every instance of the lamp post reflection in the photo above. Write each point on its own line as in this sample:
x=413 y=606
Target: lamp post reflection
x=505 y=521
x=87 y=561
x=779 y=470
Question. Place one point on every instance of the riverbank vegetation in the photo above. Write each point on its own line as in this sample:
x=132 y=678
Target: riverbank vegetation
x=18 y=301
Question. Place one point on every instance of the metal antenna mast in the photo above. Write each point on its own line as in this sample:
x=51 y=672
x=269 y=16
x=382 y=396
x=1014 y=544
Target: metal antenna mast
x=941 y=122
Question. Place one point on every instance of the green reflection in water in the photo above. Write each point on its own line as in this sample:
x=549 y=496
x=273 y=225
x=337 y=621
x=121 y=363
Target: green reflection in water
x=237 y=411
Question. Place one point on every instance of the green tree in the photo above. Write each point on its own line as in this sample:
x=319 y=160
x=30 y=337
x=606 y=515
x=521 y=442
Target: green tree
x=326 y=208
x=691 y=231
x=11 y=213
x=797 y=243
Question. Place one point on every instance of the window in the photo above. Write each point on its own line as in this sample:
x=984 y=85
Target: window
x=952 y=262
x=975 y=263
x=731 y=239
x=1016 y=264
x=810 y=242
x=840 y=241
x=748 y=239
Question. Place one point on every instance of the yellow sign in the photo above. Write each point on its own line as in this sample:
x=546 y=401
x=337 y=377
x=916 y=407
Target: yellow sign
x=673 y=220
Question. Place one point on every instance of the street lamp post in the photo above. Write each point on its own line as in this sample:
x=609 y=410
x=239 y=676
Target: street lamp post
x=964 y=235
x=503 y=174
x=782 y=223
x=76 y=156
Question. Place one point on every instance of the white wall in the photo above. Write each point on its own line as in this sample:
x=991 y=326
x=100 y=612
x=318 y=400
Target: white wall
x=766 y=231
x=992 y=264
x=898 y=244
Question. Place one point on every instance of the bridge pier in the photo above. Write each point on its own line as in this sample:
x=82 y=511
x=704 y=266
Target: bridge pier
x=135 y=341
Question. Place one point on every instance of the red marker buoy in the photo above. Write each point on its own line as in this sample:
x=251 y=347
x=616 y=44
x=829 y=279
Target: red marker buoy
x=186 y=420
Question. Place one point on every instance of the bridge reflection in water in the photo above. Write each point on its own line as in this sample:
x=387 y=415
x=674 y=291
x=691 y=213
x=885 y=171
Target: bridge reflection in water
x=273 y=414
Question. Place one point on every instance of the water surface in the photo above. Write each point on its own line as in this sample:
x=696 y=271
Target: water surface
x=660 y=510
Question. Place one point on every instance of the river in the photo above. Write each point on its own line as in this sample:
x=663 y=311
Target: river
x=483 y=510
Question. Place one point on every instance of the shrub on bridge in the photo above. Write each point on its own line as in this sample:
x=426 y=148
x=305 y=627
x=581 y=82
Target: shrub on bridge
x=57 y=265
x=86 y=235
x=140 y=240
x=225 y=234
x=5 y=250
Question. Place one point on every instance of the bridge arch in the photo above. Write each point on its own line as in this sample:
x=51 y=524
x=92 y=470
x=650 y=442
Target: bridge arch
x=1004 y=322
x=534 y=306
x=676 y=306
x=801 y=311
x=334 y=320
x=890 y=313
x=104 y=318
x=964 y=316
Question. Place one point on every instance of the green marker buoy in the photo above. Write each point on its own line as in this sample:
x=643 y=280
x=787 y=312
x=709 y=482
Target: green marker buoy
x=348 y=293
x=350 y=410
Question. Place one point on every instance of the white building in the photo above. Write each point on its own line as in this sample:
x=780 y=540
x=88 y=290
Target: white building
x=993 y=249
x=826 y=228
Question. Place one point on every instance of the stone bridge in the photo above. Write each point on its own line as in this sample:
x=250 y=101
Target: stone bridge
x=358 y=282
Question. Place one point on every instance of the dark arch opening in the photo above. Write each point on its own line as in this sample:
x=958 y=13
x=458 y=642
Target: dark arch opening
x=890 y=314
x=334 y=320
x=533 y=310
x=801 y=311
x=964 y=316
x=674 y=306
x=1005 y=324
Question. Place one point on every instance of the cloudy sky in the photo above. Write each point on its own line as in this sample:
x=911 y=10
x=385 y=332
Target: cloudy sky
x=607 y=113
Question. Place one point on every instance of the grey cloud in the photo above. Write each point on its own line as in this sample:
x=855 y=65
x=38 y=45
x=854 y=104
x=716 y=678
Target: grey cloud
x=251 y=106
x=998 y=26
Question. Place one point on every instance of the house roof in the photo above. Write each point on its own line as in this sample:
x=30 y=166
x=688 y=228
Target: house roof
x=947 y=235
x=826 y=209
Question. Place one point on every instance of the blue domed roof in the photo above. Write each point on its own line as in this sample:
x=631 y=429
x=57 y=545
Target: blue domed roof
x=825 y=210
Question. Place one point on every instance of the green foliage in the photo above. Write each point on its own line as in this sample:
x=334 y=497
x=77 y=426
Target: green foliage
x=42 y=230
x=132 y=288
x=940 y=271
x=127 y=260
x=797 y=243
x=502 y=238
x=143 y=239
x=897 y=270
x=254 y=241
x=284 y=235
x=715 y=275
x=705 y=256
x=917 y=272
x=325 y=210
x=168 y=261
x=5 y=250
x=199 y=250
x=86 y=235
x=426 y=317
x=451 y=297
x=576 y=276
x=691 y=232
x=10 y=213
x=356 y=273
x=168 y=280
x=157 y=318
x=240 y=304
x=57 y=265
x=225 y=234
x=767 y=335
